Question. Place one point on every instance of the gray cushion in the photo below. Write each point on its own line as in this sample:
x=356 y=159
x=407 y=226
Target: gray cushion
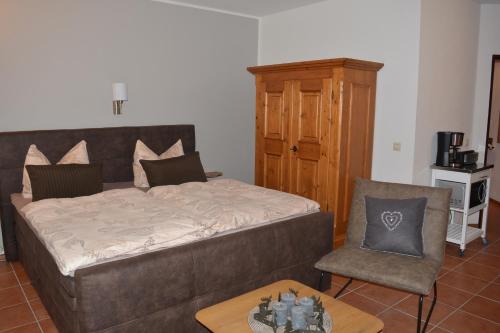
x=394 y=225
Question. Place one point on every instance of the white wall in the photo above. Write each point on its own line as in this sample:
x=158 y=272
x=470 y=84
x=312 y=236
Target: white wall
x=386 y=31
x=58 y=59
x=489 y=44
x=448 y=53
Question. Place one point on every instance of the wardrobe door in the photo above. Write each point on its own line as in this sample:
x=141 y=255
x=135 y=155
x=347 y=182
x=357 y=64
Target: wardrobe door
x=310 y=126
x=356 y=142
x=272 y=157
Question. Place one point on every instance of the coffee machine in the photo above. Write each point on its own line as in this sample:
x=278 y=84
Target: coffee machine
x=448 y=146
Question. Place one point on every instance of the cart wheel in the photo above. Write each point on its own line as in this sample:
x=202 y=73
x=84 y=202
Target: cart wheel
x=485 y=241
x=461 y=253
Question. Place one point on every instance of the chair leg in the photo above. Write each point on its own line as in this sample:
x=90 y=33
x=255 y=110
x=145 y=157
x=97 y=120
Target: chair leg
x=420 y=304
x=343 y=288
x=419 y=317
x=321 y=280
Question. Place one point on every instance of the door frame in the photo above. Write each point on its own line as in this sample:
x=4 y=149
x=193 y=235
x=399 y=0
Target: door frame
x=495 y=58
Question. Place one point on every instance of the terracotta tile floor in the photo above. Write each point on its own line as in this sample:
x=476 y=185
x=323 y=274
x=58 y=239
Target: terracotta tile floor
x=468 y=294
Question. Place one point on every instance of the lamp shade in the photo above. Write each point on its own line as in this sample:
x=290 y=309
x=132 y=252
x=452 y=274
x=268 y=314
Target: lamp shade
x=120 y=91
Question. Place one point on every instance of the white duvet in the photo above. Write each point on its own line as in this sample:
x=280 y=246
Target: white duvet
x=84 y=231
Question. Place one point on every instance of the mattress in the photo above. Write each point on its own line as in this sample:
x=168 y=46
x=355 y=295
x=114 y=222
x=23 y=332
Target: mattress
x=115 y=224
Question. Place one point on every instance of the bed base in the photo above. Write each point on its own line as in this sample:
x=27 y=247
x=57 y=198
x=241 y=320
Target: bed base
x=161 y=291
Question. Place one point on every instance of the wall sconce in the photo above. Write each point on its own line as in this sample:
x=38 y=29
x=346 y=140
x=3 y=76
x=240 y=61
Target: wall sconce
x=120 y=95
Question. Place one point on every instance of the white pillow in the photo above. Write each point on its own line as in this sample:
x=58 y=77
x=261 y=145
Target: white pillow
x=142 y=152
x=76 y=155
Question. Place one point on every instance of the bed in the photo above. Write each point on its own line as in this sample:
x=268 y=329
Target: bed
x=158 y=291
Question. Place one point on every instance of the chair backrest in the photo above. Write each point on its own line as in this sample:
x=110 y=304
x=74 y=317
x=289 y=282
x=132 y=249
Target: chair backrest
x=436 y=214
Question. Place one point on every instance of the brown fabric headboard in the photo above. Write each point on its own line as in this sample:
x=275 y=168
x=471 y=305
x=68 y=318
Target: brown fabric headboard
x=113 y=147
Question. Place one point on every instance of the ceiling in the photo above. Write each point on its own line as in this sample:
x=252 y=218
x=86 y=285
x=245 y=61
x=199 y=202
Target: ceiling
x=252 y=8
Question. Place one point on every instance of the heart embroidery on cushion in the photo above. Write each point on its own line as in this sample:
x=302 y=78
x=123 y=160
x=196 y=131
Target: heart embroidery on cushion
x=391 y=220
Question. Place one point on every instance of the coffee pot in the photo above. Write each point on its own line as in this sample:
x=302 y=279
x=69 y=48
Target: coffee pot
x=448 y=145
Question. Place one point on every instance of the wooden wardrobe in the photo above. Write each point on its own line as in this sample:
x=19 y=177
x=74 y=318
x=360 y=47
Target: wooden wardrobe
x=314 y=130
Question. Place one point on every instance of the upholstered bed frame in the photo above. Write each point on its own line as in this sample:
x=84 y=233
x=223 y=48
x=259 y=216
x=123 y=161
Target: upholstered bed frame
x=159 y=291
x=113 y=147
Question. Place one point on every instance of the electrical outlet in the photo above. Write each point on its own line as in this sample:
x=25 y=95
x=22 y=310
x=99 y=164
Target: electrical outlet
x=396 y=146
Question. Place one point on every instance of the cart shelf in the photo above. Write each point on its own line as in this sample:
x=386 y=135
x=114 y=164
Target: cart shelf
x=455 y=233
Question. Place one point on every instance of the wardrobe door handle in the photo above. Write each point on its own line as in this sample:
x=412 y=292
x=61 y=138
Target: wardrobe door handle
x=294 y=149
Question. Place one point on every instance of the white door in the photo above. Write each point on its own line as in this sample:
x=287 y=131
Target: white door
x=493 y=156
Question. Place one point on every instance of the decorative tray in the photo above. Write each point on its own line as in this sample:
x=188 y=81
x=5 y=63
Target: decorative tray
x=259 y=327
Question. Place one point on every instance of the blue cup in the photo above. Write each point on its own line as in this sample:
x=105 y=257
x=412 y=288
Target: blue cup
x=299 y=318
x=308 y=304
x=280 y=311
x=289 y=300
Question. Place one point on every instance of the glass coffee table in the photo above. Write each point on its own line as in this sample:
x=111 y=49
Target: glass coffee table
x=232 y=315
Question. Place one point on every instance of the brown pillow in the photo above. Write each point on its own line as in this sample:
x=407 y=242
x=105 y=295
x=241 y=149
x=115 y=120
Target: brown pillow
x=64 y=180
x=175 y=170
